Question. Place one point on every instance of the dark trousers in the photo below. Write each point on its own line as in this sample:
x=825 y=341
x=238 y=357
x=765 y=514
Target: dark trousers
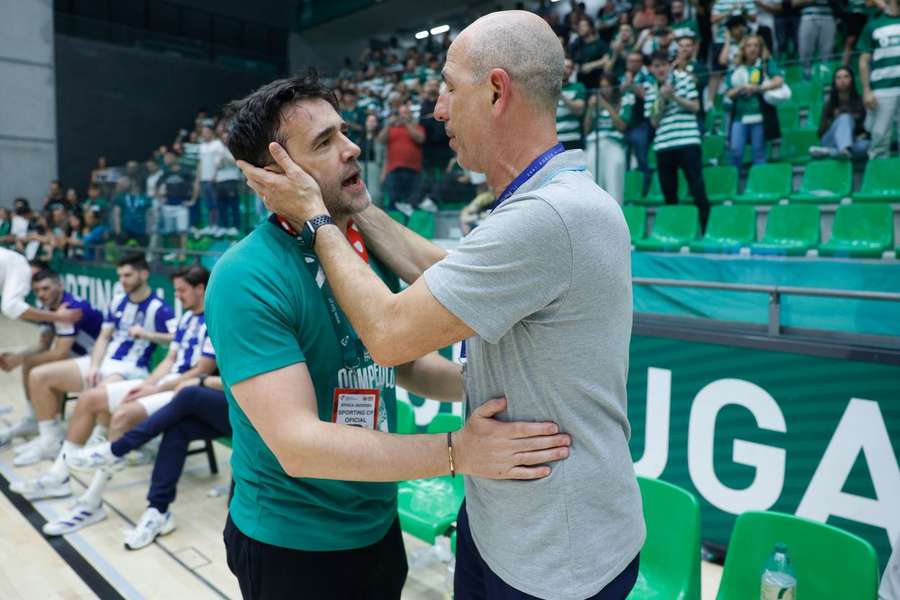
x=690 y=160
x=264 y=572
x=229 y=204
x=474 y=580
x=639 y=139
x=195 y=413
x=402 y=185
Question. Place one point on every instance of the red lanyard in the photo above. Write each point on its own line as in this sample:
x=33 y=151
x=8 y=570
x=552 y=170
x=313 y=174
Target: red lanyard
x=354 y=236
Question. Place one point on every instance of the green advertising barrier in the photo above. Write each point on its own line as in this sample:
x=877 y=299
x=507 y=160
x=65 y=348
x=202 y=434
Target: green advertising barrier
x=748 y=429
x=98 y=285
x=834 y=314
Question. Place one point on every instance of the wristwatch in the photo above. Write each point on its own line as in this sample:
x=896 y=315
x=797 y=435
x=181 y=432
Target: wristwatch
x=308 y=233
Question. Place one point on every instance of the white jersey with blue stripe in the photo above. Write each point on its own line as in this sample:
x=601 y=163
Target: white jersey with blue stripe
x=152 y=314
x=190 y=336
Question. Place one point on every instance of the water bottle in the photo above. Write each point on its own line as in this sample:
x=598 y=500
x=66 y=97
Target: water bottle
x=779 y=582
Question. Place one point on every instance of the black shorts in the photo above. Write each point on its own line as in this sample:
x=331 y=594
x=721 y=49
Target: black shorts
x=854 y=23
x=267 y=572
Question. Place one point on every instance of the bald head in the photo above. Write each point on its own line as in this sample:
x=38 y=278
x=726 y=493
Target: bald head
x=522 y=44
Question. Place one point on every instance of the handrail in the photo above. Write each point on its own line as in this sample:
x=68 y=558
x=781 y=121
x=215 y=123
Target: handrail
x=774 y=291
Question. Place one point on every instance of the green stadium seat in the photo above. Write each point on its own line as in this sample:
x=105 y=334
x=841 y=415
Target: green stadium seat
x=793 y=74
x=712 y=122
x=428 y=507
x=670 y=558
x=802 y=93
x=767 y=184
x=713 y=149
x=881 y=181
x=422 y=222
x=675 y=226
x=721 y=183
x=634 y=186
x=651 y=159
x=788 y=117
x=860 y=231
x=636 y=218
x=791 y=230
x=655 y=195
x=729 y=229
x=824 y=182
x=830 y=563
x=795 y=145
x=406 y=417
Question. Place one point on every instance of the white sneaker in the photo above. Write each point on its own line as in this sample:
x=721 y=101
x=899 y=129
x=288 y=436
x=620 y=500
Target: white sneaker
x=151 y=525
x=29 y=444
x=91 y=458
x=405 y=208
x=27 y=427
x=429 y=205
x=43 y=450
x=78 y=516
x=44 y=486
x=95 y=440
x=819 y=151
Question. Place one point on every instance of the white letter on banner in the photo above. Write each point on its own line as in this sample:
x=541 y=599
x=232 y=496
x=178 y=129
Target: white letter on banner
x=656 y=429
x=768 y=461
x=861 y=428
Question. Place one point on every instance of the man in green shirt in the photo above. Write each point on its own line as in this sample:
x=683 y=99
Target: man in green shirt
x=570 y=109
x=314 y=510
x=879 y=72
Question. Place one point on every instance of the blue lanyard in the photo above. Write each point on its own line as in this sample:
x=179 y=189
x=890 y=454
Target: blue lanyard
x=535 y=166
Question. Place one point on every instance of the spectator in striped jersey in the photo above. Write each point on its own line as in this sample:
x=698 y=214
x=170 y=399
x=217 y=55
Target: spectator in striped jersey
x=674 y=103
x=636 y=81
x=58 y=341
x=816 y=34
x=135 y=322
x=569 y=110
x=605 y=121
x=879 y=71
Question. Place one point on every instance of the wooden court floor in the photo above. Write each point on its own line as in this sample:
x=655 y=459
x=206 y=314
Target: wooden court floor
x=188 y=563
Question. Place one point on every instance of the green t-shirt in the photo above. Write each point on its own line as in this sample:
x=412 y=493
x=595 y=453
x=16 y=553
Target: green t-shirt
x=266 y=311
x=686 y=28
x=568 y=124
x=358 y=116
x=881 y=39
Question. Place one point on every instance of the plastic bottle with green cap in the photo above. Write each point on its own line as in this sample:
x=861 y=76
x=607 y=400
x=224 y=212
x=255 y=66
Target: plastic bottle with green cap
x=779 y=582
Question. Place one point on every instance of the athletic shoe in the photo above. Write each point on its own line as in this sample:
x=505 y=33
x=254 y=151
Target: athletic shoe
x=43 y=450
x=29 y=444
x=78 y=516
x=95 y=440
x=429 y=205
x=151 y=525
x=405 y=208
x=27 y=427
x=819 y=151
x=94 y=457
x=44 y=486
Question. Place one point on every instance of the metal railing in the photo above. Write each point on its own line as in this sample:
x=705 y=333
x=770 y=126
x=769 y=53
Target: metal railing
x=774 y=292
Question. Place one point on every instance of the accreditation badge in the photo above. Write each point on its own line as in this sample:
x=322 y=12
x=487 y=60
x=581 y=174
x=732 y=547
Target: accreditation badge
x=356 y=407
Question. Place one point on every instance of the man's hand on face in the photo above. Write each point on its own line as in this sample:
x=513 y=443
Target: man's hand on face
x=293 y=194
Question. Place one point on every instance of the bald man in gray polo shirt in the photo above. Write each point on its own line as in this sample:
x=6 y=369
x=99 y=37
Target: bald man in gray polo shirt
x=541 y=294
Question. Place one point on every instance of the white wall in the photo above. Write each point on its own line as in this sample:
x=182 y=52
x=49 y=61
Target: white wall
x=28 y=100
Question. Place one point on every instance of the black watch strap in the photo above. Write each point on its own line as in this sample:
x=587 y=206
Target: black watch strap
x=308 y=235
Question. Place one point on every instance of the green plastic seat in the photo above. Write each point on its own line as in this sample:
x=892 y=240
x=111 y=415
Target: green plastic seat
x=825 y=182
x=788 y=117
x=428 y=507
x=713 y=149
x=766 y=184
x=830 y=563
x=881 y=181
x=801 y=93
x=712 y=122
x=675 y=226
x=655 y=195
x=729 y=229
x=721 y=183
x=670 y=558
x=795 y=145
x=397 y=216
x=793 y=73
x=634 y=186
x=791 y=230
x=422 y=222
x=860 y=231
x=406 y=417
x=636 y=218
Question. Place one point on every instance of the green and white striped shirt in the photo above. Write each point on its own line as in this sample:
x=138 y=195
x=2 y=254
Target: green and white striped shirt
x=730 y=7
x=678 y=126
x=604 y=129
x=819 y=8
x=568 y=124
x=881 y=38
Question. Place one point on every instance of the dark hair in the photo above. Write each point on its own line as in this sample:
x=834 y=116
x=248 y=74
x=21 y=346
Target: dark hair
x=255 y=120
x=614 y=83
x=41 y=265
x=193 y=275
x=45 y=274
x=834 y=99
x=136 y=260
x=659 y=55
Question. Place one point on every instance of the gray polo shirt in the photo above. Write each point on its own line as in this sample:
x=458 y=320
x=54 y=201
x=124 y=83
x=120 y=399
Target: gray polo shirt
x=545 y=282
